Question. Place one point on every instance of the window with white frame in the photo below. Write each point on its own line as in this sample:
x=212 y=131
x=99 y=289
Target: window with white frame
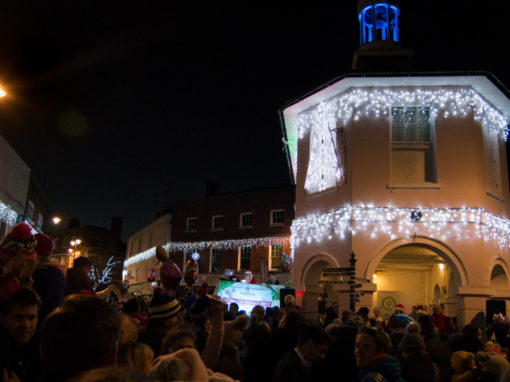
x=412 y=145
x=276 y=256
x=218 y=222
x=191 y=224
x=245 y=257
x=276 y=217
x=246 y=220
x=216 y=259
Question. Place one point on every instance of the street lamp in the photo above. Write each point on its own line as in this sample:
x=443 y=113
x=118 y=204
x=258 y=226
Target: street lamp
x=56 y=220
x=2 y=93
x=74 y=243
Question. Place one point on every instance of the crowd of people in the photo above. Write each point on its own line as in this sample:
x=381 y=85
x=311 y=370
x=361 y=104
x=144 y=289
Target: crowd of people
x=53 y=328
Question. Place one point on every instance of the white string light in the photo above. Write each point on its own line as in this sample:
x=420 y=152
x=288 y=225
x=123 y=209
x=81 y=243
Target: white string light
x=440 y=223
x=199 y=245
x=376 y=102
x=7 y=214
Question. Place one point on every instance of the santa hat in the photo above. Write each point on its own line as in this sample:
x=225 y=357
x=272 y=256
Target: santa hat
x=8 y=287
x=399 y=306
x=44 y=244
x=19 y=241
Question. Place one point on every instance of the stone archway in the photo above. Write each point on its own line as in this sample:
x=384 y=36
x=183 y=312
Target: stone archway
x=310 y=277
x=417 y=271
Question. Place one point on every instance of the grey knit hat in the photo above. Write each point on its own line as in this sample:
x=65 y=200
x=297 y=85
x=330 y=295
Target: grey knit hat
x=412 y=343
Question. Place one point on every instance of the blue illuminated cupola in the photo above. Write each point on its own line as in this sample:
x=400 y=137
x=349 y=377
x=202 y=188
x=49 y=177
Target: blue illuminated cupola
x=378 y=21
x=380 y=48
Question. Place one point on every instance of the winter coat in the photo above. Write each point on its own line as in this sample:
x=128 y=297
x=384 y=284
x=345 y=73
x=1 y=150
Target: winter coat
x=388 y=368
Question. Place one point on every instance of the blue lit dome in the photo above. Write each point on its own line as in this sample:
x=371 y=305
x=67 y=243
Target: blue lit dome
x=378 y=21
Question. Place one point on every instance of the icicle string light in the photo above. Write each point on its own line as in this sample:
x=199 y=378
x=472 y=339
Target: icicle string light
x=199 y=245
x=393 y=222
x=370 y=102
x=7 y=214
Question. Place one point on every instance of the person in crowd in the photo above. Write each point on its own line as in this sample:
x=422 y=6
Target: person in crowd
x=182 y=339
x=129 y=329
x=296 y=365
x=272 y=279
x=399 y=309
x=415 y=362
x=470 y=340
x=19 y=352
x=257 y=314
x=81 y=334
x=49 y=279
x=132 y=308
x=229 y=361
x=331 y=315
x=137 y=356
x=437 y=349
x=493 y=365
x=112 y=374
x=377 y=321
x=202 y=325
x=258 y=339
x=164 y=316
x=233 y=311
x=340 y=355
x=361 y=316
x=442 y=322
x=464 y=366
x=77 y=277
x=396 y=331
x=371 y=353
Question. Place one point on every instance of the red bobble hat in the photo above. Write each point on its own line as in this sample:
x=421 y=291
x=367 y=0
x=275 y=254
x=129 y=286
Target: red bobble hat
x=44 y=244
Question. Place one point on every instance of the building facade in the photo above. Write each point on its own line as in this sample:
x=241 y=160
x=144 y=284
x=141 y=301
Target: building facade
x=409 y=173
x=236 y=231
x=138 y=270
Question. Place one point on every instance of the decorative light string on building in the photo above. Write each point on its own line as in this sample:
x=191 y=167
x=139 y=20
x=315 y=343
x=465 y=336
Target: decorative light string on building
x=7 y=214
x=200 y=245
x=393 y=222
x=369 y=102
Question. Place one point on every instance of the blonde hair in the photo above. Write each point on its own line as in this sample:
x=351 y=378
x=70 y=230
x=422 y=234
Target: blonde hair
x=137 y=356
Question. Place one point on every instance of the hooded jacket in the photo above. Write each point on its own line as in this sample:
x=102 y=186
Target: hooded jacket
x=386 y=370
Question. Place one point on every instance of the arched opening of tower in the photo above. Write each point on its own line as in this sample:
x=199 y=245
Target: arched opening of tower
x=416 y=276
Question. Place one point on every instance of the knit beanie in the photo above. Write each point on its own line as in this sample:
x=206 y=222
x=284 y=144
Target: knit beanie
x=412 y=343
x=163 y=306
x=44 y=244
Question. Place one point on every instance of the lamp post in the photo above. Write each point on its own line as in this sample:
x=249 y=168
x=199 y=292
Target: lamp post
x=74 y=250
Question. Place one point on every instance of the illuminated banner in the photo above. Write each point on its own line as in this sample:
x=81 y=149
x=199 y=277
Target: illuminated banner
x=249 y=295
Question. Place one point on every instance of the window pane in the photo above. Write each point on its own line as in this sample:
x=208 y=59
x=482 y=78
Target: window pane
x=245 y=257
x=276 y=256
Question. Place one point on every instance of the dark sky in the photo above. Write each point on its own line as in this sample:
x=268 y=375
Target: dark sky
x=121 y=109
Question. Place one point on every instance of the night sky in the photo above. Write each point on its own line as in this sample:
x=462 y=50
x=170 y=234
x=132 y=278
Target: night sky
x=121 y=109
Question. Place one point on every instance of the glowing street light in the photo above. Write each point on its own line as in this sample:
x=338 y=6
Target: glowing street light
x=2 y=93
x=56 y=220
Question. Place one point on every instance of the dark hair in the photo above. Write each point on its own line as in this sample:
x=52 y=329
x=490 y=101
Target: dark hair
x=364 y=311
x=81 y=262
x=395 y=323
x=470 y=331
x=131 y=306
x=428 y=327
x=381 y=339
x=200 y=321
x=170 y=339
x=24 y=296
x=314 y=333
x=234 y=304
x=79 y=335
x=112 y=374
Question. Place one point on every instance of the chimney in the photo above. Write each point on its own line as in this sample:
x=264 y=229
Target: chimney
x=74 y=223
x=116 y=225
